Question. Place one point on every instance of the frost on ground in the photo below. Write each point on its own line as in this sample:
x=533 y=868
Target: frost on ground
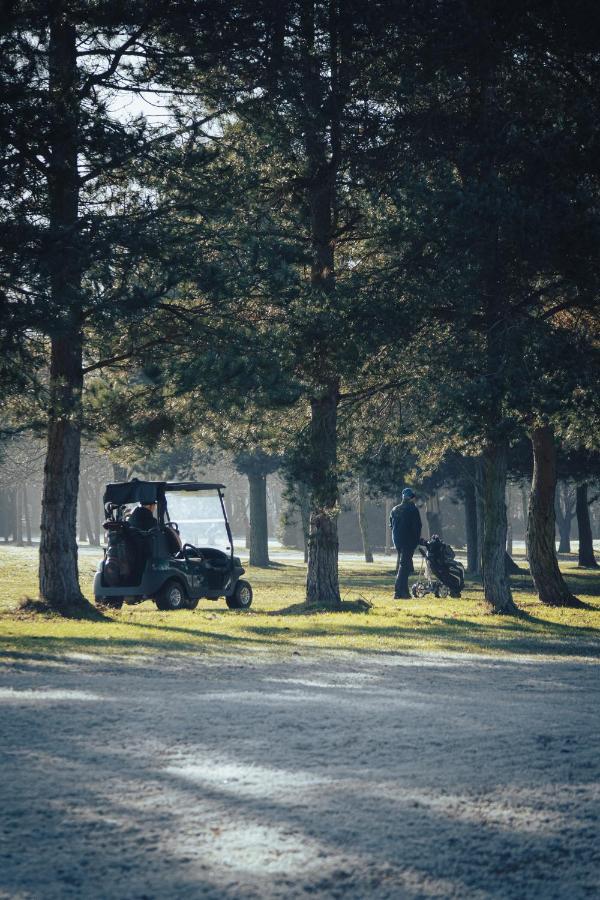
x=356 y=776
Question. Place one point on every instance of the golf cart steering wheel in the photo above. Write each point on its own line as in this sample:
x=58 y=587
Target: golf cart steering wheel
x=190 y=550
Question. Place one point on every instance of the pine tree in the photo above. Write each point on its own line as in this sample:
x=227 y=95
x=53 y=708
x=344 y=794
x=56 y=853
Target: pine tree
x=80 y=227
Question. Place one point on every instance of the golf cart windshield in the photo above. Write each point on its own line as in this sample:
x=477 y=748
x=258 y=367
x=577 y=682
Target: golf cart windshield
x=200 y=518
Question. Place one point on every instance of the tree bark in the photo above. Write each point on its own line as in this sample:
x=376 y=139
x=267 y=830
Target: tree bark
x=496 y=586
x=323 y=103
x=58 y=571
x=388 y=530
x=362 y=521
x=242 y=511
x=525 y=510
x=479 y=506
x=586 y=560
x=87 y=502
x=59 y=582
x=564 y=517
x=82 y=517
x=322 y=583
x=471 y=526
x=27 y=514
x=541 y=525
x=511 y=567
x=18 y=517
x=304 y=507
x=259 y=529
x=433 y=516
x=509 y=539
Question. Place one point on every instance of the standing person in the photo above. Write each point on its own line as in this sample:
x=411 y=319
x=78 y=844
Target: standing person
x=405 y=523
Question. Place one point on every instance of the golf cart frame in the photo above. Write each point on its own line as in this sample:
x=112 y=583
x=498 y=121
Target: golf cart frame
x=154 y=564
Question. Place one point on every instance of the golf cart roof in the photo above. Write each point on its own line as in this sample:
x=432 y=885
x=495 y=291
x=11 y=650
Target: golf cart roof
x=192 y=486
x=150 y=491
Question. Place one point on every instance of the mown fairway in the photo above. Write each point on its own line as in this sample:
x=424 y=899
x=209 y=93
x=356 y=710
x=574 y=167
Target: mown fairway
x=277 y=622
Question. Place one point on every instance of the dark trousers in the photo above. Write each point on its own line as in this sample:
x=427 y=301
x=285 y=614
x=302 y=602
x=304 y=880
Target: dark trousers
x=405 y=568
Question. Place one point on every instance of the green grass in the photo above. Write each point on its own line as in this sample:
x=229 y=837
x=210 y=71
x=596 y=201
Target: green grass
x=277 y=624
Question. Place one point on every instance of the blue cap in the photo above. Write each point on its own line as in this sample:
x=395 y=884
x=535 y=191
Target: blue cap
x=408 y=494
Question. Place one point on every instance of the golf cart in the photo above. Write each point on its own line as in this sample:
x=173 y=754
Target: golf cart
x=186 y=554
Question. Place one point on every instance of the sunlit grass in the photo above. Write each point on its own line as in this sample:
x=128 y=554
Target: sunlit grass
x=277 y=624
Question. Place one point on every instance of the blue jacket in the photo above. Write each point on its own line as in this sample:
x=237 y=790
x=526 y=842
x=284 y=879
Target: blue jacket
x=405 y=522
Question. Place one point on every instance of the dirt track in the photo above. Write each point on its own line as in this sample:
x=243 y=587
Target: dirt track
x=354 y=777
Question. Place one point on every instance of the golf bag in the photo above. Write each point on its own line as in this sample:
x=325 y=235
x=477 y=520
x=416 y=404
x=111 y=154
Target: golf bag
x=117 y=565
x=440 y=564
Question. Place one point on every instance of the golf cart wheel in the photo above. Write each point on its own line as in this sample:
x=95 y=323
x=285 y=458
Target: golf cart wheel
x=172 y=596
x=109 y=602
x=442 y=591
x=241 y=597
x=418 y=590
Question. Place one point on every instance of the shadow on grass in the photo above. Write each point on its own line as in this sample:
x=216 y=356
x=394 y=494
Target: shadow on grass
x=29 y=608
x=301 y=609
x=430 y=633
x=527 y=633
x=583 y=582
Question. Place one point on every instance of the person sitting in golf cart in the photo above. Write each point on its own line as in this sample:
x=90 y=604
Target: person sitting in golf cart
x=142 y=519
x=143 y=516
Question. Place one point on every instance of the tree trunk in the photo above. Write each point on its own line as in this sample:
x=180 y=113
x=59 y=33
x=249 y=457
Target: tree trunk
x=433 y=515
x=242 y=515
x=304 y=507
x=323 y=105
x=541 y=526
x=509 y=540
x=59 y=581
x=27 y=515
x=525 y=510
x=471 y=526
x=564 y=532
x=388 y=530
x=98 y=508
x=18 y=517
x=564 y=517
x=87 y=502
x=479 y=504
x=322 y=584
x=82 y=517
x=362 y=521
x=496 y=586
x=587 y=560
x=259 y=529
x=511 y=567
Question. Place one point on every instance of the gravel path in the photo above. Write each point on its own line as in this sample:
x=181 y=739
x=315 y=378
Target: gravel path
x=357 y=776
